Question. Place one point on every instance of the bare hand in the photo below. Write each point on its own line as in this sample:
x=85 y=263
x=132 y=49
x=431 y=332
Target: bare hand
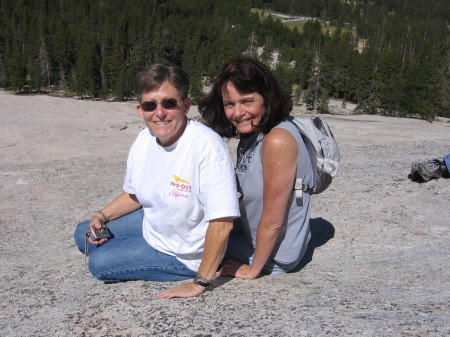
x=185 y=290
x=97 y=223
x=237 y=269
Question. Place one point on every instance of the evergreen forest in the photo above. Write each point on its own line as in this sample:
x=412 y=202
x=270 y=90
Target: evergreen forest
x=390 y=57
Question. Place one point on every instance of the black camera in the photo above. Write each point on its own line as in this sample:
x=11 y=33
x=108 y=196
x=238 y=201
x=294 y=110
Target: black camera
x=97 y=234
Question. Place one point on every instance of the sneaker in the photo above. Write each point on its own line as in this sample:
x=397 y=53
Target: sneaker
x=428 y=169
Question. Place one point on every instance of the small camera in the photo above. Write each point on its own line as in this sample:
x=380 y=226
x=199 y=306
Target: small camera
x=97 y=234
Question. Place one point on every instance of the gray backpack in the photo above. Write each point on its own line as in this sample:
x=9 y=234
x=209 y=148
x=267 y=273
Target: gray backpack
x=323 y=151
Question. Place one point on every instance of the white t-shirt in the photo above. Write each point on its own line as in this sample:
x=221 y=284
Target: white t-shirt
x=181 y=188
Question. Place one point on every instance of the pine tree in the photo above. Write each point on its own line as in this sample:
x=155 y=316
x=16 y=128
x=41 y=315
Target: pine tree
x=14 y=69
x=315 y=86
x=388 y=77
x=45 y=64
x=421 y=90
x=365 y=85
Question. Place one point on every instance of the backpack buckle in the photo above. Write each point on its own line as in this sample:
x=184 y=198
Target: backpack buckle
x=298 y=187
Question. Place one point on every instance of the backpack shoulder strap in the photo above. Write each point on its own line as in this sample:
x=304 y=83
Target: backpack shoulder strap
x=299 y=186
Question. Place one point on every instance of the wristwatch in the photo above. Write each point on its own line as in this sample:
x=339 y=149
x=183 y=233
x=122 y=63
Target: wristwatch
x=201 y=281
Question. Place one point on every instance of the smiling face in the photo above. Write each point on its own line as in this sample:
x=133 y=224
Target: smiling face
x=166 y=124
x=244 y=111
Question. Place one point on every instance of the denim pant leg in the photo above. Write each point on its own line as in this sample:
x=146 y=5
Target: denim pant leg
x=129 y=225
x=447 y=162
x=122 y=259
x=128 y=256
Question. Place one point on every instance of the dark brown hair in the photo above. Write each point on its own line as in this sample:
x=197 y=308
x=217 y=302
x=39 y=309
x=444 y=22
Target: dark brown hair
x=247 y=75
x=152 y=77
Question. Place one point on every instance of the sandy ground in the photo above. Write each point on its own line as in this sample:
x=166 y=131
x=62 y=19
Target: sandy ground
x=378 y=263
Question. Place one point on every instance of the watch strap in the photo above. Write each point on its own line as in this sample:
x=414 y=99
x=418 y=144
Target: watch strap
x=201 y=281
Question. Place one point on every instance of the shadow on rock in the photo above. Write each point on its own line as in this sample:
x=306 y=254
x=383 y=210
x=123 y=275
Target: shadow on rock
x=321 y=232
x=417 y=179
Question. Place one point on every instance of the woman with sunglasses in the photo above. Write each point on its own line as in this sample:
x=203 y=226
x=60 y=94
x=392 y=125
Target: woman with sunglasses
x=272 y=234
x=173 y=219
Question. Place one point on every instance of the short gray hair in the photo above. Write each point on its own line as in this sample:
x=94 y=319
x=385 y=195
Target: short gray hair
x=152 y=77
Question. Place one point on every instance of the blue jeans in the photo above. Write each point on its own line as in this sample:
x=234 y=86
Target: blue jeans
x=128 y=256
x=240 y=250
x=447 y=162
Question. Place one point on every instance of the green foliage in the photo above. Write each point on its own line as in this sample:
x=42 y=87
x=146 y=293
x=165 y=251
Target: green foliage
x=323 y=108
x=94 y=48
x=15 y=73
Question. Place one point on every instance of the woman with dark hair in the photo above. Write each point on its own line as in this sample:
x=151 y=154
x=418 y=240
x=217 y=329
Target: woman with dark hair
x=174 y=216
x=272 y=234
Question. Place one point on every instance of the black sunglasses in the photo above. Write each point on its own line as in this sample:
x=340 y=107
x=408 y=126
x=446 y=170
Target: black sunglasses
x=168 y=104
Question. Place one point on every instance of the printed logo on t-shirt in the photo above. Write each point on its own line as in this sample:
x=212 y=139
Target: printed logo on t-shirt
x=244 y=160
x=181 y=188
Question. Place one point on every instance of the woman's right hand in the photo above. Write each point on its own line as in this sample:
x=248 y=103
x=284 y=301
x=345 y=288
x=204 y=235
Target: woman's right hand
x=185 y=290
x=98 y=223
x=232 y=268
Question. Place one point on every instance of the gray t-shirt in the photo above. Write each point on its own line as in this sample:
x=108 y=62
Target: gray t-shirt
x=294 y=236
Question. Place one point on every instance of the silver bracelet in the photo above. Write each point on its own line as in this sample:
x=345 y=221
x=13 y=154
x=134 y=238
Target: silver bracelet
x=104 y=217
